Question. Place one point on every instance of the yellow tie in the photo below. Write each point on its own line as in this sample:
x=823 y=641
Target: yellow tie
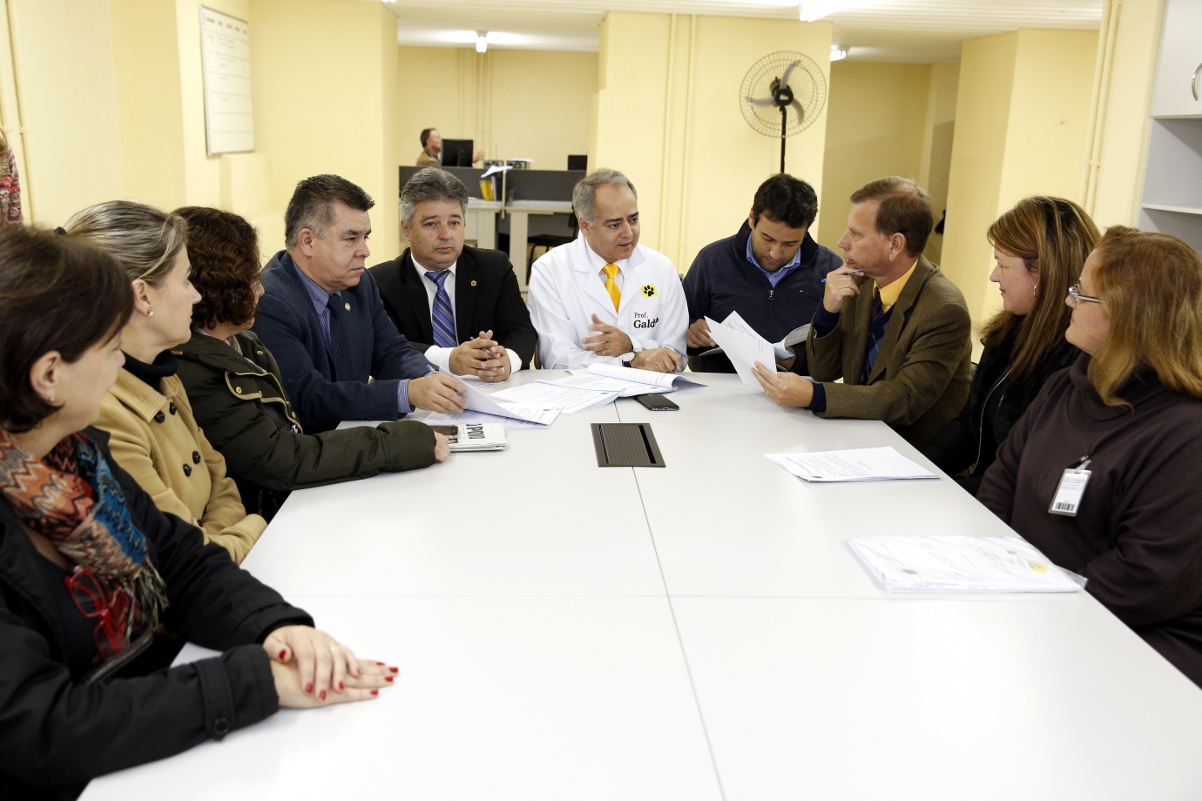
x=611 y=286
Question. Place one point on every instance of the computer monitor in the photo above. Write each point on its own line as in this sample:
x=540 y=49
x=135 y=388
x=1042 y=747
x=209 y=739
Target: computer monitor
x=457 y=152
x=578 y=162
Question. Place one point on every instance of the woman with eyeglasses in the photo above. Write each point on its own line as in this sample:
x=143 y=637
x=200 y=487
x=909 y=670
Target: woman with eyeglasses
x=1101 y=472
x=89 y=566
x=237 y=392
x=1038 y=249
x=154 y=433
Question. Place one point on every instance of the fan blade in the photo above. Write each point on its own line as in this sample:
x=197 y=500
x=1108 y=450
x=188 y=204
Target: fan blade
x=766 y=102
x=784 y=82
x=801 y=112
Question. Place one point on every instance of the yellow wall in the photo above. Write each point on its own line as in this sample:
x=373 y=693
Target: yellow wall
x=667 y=114
x=1019 y=132
x=319 y=72
x=876 y=126
x=68 y=86
x=513 y=103
x=1123 y=119
x=938 y=135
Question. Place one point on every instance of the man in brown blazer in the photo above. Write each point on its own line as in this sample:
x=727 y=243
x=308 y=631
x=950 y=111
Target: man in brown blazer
x=890 y=324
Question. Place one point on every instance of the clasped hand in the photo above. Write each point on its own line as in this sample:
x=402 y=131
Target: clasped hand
x=481 y=357
x=311 y=668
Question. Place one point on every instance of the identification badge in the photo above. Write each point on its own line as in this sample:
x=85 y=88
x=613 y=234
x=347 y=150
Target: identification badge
x=1068 y=495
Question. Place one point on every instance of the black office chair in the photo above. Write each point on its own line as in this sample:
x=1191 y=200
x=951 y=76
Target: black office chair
x=548 y=241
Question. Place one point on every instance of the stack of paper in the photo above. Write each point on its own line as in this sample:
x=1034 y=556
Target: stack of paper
x=961 y=564
x=569 y=395
x=481 y=409
x=744 y=347
x=858 y=464
x=633 y=381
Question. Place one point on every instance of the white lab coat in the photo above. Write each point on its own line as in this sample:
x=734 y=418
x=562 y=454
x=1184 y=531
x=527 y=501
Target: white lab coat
x=566 y=291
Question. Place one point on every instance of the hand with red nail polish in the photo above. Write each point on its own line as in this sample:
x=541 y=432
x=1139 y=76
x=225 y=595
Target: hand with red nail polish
x=311 y=668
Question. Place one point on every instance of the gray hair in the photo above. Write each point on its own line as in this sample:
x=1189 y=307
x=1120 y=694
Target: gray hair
x=431 y=184
x=144 y=240
x=584 y=195
x=312 y=205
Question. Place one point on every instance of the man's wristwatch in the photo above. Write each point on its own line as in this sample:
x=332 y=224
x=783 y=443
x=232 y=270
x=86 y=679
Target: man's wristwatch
x=627 y=359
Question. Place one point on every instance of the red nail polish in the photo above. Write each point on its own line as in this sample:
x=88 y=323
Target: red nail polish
x=375 y=692
x=339 y=686
x=283 y=655
x=308 y=688
x=380 y=663
x=394 y=670
x=389 y=678
x=322 y=695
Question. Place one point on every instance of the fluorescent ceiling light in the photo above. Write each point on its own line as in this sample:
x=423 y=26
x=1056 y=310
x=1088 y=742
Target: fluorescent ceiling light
x=817 y=9
x=837 y=53
x=481 y=41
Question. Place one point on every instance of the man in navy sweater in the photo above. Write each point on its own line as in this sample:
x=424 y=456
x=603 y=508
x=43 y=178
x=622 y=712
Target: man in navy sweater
x=770 y=272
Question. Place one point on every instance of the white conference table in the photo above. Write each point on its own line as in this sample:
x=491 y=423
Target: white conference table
x=699 y=631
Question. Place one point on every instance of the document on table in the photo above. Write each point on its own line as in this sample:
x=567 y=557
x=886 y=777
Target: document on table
x=735 y=322
x=742 y=350
x=857 y=464
x=633 y=375
x=559 y=395
x=477 y=401
x=961 y=564
x=470 y=417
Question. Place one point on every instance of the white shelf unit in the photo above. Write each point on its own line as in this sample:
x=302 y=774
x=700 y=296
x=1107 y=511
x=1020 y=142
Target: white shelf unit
x=1171 y=200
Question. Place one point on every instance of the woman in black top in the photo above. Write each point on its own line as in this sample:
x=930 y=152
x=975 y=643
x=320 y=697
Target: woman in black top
x=90 y=568
x=1039 y=247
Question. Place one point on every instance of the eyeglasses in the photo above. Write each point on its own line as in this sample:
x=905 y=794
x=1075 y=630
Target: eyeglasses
x=1074 y=292
x=110 y=612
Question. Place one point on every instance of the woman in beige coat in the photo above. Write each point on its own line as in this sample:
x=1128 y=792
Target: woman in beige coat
x=154 y=434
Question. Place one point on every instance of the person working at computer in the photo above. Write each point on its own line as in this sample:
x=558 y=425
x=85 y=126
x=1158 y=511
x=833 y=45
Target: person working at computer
x=890 y=324
x=322 y=318
x=459 y=305
x=431 y=155
x=770 y=272
x=604 y=297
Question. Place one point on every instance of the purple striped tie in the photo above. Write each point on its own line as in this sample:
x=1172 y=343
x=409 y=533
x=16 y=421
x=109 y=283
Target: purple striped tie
x=442 y=318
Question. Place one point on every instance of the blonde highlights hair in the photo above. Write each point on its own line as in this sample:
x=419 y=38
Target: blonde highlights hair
x=1053 y=236
x=143 y=239
x=1150 y=285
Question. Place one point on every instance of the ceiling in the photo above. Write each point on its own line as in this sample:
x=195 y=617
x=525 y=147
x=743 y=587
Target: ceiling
x=922 y=31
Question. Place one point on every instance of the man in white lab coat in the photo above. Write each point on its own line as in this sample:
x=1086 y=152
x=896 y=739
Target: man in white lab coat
x=604 y=297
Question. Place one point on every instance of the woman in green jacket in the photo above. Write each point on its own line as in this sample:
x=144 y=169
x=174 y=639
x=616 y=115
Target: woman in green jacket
x=238 y=395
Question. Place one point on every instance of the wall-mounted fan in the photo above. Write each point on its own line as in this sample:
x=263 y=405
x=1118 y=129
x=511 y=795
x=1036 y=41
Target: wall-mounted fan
x=782 y=94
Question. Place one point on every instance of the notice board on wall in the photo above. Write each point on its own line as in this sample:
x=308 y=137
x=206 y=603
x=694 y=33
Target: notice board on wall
x=225 y=60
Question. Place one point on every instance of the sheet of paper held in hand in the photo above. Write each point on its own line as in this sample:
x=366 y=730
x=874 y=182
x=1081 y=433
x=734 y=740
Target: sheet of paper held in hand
x=857 y=464
x=742 y=350
x=477 y=401
x=561 y=395
x=735 y=322
x=961 y=564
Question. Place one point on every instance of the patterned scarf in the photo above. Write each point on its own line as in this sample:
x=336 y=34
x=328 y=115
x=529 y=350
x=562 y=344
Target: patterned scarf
x=72 y=498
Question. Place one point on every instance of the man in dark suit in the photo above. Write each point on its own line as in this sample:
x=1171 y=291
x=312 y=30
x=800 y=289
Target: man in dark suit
x=891 y=325
x=322 y=319
x=459 y=305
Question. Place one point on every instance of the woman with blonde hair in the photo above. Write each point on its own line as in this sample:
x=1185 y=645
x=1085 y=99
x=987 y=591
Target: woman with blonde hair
x=1038 y=249
x=154 y=433
x=1099 y=474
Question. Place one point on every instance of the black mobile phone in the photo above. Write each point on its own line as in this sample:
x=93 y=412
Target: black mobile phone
x=656 y=403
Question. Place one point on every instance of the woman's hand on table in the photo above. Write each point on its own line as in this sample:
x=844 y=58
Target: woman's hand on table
x=311 y=669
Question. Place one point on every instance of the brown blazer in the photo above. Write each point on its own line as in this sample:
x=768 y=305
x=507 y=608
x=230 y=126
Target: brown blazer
x=920 y=378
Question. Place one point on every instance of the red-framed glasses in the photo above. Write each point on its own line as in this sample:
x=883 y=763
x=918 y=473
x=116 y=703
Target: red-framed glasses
x=111 y=612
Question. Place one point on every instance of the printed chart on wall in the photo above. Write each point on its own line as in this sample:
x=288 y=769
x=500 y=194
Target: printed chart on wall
x=225 y=56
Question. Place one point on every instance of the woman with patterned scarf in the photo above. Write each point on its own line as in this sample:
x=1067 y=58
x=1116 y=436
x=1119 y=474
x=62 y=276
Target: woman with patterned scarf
x=89 y=566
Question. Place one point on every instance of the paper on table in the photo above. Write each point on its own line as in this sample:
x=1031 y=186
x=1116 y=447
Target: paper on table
x=477 y=401
x=961 y=564
x=470 y=417
x=568 y=399
x=857 y=464
x=642 y=376
x=742 y=350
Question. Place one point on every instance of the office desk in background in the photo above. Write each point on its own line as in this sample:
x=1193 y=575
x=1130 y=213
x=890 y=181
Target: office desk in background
x=695 y=632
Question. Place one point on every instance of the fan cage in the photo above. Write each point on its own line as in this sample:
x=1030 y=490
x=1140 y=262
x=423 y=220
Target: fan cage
x=806 y=81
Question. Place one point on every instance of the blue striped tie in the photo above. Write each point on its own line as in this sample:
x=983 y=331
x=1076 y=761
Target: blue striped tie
x=442 y=318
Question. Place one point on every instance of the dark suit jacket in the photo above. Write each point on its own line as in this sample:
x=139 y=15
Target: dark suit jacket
x=487 y=298
x=291 y=330
x=920 y=378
